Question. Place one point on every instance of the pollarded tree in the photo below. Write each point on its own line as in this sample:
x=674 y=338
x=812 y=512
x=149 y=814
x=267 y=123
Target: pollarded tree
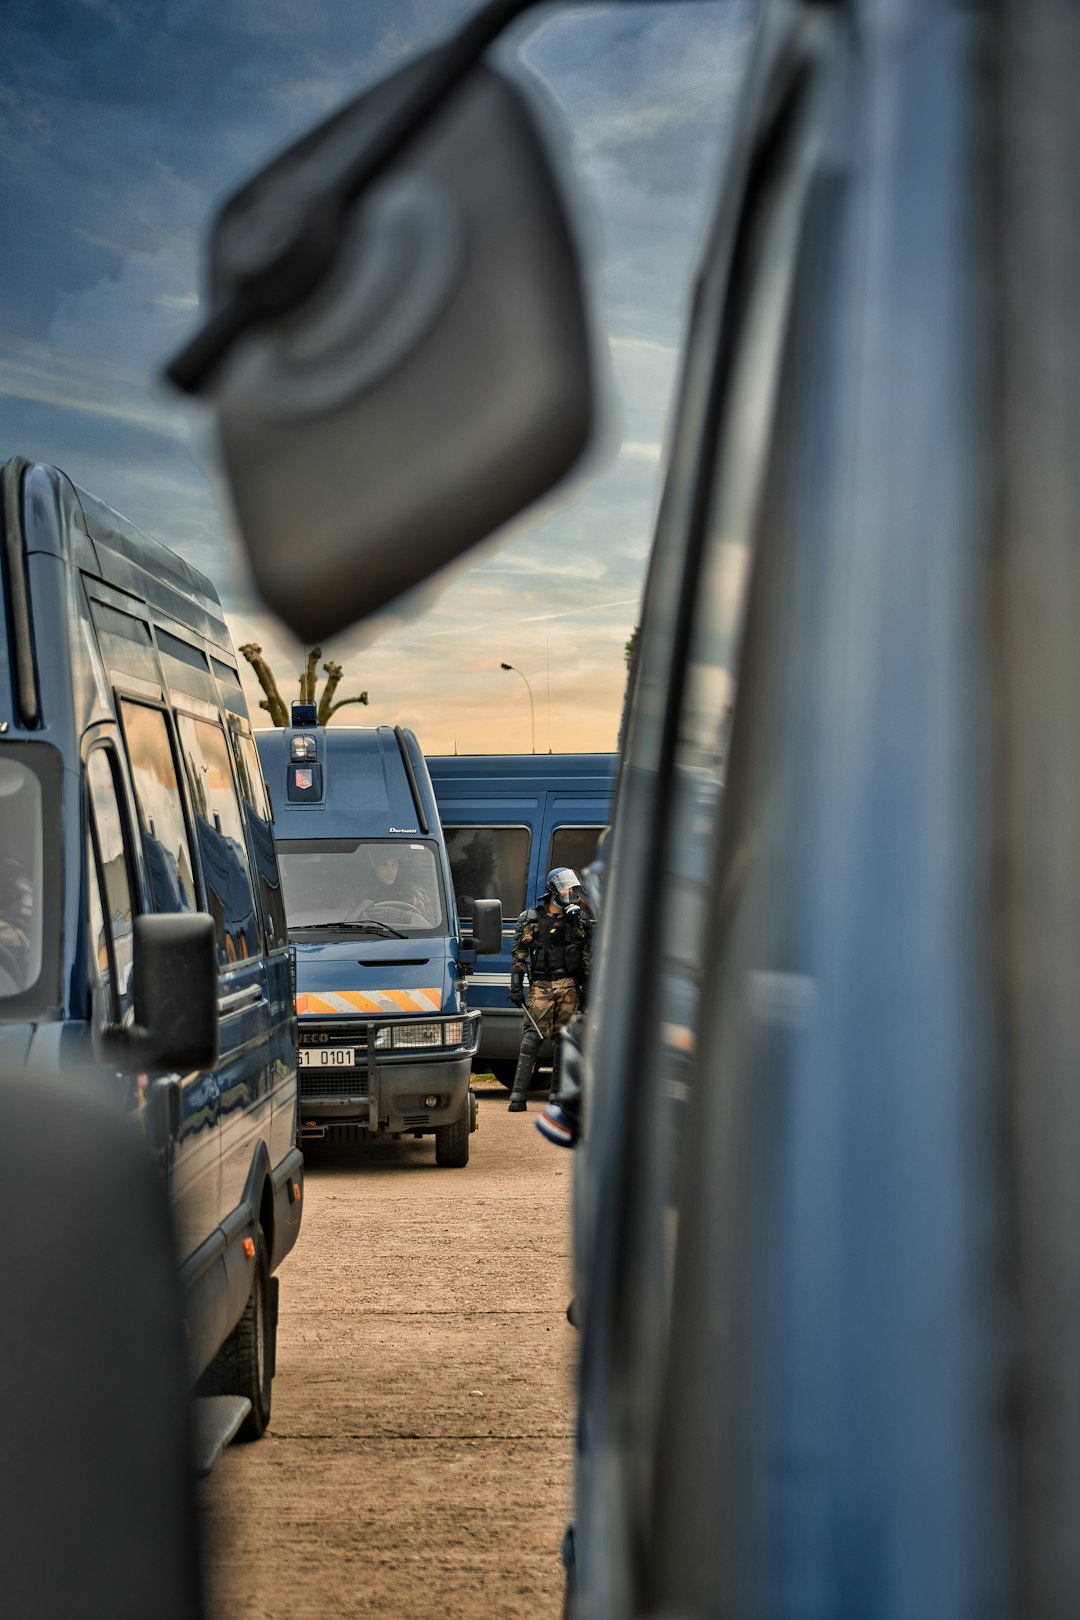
x=328 y=703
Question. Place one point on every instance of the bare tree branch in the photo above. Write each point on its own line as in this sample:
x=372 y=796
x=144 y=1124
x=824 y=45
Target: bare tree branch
x=308 y=676
x=273 y=703
x=334 y=672
x=342 y=703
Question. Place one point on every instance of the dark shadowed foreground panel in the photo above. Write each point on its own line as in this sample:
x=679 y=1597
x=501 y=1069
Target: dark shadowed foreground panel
x=96 y=1500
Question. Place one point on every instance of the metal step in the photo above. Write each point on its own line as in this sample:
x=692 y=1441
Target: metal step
x=216 y=1419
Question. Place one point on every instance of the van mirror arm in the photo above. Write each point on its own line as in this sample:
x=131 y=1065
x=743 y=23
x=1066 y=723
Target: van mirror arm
x=291 y=236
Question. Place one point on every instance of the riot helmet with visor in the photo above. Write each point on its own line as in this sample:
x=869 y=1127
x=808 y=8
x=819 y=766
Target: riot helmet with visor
x=564 y=887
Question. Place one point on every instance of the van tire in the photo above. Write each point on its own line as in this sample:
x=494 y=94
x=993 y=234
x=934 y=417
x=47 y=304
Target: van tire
x=504 y=1070
x=452 y=1143
x=245 y=1363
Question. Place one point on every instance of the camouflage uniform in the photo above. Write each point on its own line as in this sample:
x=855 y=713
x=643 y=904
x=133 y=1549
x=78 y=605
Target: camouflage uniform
x=552 y=946
x=553 y=1005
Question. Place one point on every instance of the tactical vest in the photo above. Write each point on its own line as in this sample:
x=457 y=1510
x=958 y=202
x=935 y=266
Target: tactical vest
x=556 y=951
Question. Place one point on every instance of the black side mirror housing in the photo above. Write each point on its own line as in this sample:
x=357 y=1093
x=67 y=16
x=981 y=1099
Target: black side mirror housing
x=487 y=927
x=436 y=379
x=176 y=991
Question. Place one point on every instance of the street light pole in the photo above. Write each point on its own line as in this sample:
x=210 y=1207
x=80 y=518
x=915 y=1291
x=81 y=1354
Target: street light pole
x=532 y=706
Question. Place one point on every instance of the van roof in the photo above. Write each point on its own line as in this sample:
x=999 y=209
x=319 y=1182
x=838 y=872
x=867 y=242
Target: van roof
x=367 y=790
x=112 y=532
x=499 y=773
x=126 y=556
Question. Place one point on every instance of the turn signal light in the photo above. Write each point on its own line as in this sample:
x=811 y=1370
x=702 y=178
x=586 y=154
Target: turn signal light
x=249 y=1248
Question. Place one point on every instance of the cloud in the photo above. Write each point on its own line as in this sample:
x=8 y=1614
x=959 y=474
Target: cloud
x=121 y=124
x=570 y=613
x=76 y=392
x=542 y=564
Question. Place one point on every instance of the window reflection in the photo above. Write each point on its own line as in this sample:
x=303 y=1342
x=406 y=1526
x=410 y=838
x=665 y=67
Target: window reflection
x=260 y=827
x=99 y=939
x=574 y=847
x=21 y=862
x=488 y=863
x=161 y=810
x=219 y=828
x=113 y=855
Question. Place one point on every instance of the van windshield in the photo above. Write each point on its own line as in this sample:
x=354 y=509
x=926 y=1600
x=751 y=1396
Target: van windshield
x=22 y=857
x=346 y=882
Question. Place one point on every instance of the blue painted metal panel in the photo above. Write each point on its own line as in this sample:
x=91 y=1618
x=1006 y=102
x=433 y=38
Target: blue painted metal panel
x=541 y=792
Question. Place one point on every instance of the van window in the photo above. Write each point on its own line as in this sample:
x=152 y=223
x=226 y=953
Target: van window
x=185 y=667
x=21 y=863
x=574 y=847
x=126 y=647
x=350 y=882
x=489 y=863
x=114 y=948
x=161 y=810
x=232 y=693
x=219 y=828
x=260 y=827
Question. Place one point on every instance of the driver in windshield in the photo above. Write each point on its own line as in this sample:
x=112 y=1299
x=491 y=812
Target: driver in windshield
x=393 y=886
x=386 y=886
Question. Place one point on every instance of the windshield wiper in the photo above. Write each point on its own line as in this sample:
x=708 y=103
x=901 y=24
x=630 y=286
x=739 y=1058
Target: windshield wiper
x=381 y=928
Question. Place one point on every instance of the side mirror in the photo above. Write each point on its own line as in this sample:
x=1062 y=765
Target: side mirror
x=487 y=927
x=397 y=351
x=176 y=991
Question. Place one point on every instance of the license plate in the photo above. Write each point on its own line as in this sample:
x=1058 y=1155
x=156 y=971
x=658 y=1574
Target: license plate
x=326 y=1057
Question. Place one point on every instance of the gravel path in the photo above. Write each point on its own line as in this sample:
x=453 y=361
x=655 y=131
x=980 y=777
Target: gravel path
x=418 y=1459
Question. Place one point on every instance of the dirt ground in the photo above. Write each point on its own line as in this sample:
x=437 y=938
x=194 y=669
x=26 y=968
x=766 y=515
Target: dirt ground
x=418 y=1459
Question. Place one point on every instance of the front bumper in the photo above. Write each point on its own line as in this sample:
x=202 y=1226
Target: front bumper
x=385 y=1091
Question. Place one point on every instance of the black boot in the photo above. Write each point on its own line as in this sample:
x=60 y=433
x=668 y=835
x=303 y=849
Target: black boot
x=530 y=1045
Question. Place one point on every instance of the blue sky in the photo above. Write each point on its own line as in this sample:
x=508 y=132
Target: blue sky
x=122 y=122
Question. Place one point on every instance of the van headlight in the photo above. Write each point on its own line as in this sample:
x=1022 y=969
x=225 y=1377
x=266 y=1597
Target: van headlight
x=420 y=1036
x=399 y=1036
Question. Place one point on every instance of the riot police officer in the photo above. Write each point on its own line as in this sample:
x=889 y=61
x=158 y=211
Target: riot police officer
x=551 y=944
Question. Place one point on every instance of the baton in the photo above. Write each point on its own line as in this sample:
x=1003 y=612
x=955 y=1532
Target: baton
x=532 y=1020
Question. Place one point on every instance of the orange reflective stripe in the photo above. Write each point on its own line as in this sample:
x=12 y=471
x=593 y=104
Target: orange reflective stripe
x=311 y=1004
x=403 y=999
x=330 y=1002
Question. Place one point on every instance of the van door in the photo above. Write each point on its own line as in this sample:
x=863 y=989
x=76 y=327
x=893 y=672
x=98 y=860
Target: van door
x=171 y=868
x=112 y=889
x=244 y=1063
x=280 y=975
x=493 y=862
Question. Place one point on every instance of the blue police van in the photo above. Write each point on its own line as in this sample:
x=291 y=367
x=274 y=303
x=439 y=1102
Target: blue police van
x=507 y=820
x=142 y=926
x=386 y=1037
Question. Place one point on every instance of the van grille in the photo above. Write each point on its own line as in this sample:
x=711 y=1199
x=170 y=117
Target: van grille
x=338 y=1085
x=342 y=1032
x=411 y=1121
